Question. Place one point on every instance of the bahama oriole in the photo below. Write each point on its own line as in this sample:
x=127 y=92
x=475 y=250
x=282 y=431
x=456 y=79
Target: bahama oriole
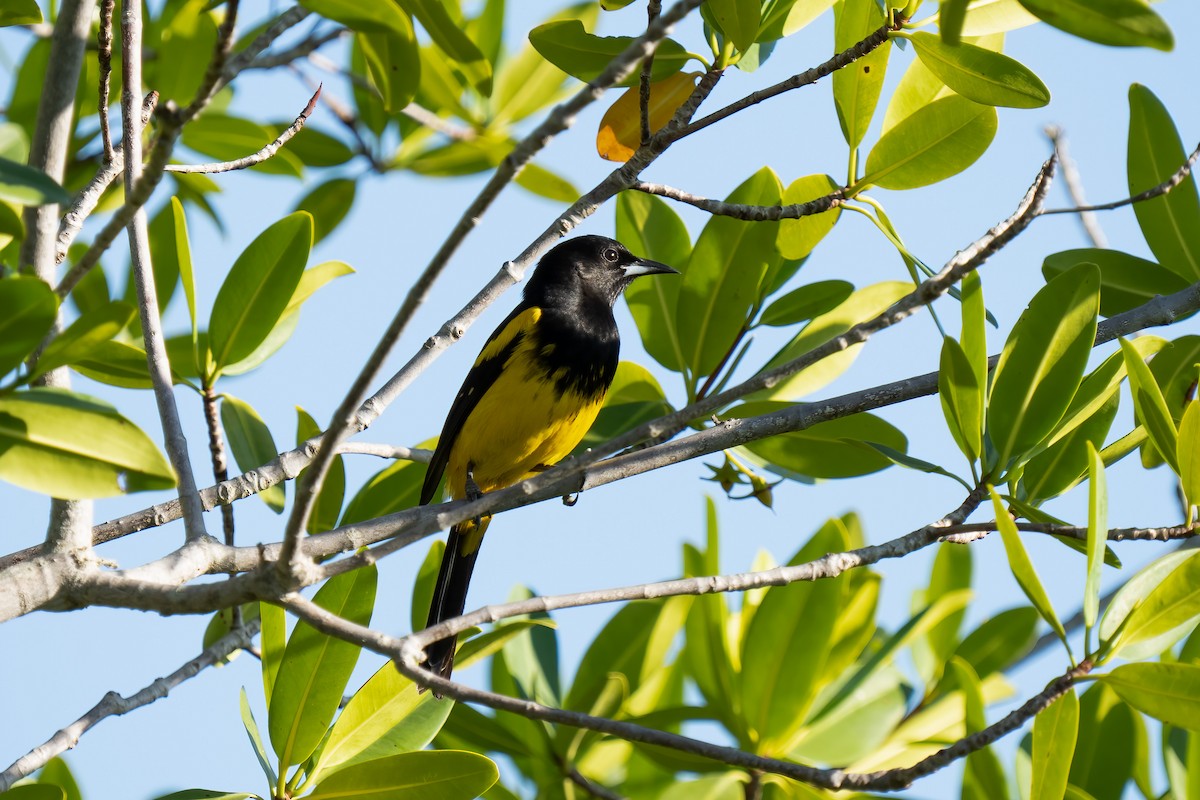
x=529 y=399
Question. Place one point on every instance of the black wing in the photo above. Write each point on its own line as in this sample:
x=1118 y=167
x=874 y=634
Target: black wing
x=491 y=362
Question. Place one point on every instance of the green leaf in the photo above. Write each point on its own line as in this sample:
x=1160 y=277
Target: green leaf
x=72 y=446
x=256 y=742
x=394 y=62
x=27 y=186
x=566 y=45
x=544 y=183
x=951 y=573
x=252 y=445
x=787 y=643
x=80 y=341
x=57 y=773
x=227 y=138
x=1169 y=608
x=371 y=17
x=1170 y=222
x=315 y=668
x=918 y=88
x=390 y=490
x=316 y=148
x=999 y=641
x=856 y=88
x=328 y=506
x=205 y=794
x=808 y=302
x=1151 y=406
x=13 y=228
x=33 y=791
x=117 y=364
x=387 y=716
x=1042 y=363
x=737 y=20
x=28 y=308
x=974 y=332
x=798 y=237
x=1134 y=593
x=720 y=284
x=1189 y=455
x=189 y=35
x=951 y=15
x=624 y=647
x=329 y=203
x=839 y=448
x=1126 y=281
x=258 y=289
x=183 y=251
x=1063 y=464
x=650 y=228
x=1097 y=537
x=866 y=303
x=931 y=144
x=980 y=74
x=987 y=17
x=910 y=462
x=20 y=12
x=1104 y=754
x=447 y=33
x=527 y=82
x=961 y=399
x=1054 y=731
x=1167 y=692
x=273 y=644
x=1118 y=23
x=1022 y=567
x=1174 y=369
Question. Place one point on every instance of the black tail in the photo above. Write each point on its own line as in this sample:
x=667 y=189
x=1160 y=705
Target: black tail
x=450 y=591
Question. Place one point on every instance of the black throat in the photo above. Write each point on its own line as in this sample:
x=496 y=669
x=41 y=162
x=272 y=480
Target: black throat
x=579 y=345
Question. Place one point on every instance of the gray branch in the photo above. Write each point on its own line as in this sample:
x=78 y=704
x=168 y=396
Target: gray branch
x=114 y=705
x=70 y=520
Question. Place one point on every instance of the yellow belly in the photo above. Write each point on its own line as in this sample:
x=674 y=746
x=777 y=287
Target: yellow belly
x=520 y=426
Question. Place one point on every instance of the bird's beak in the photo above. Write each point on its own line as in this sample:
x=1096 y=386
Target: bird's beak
x=644 y=266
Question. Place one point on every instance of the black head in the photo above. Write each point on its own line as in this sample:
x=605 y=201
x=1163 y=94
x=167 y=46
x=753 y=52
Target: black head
x=587 y=268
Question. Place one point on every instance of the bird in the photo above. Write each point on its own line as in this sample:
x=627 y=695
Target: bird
x=531 y=395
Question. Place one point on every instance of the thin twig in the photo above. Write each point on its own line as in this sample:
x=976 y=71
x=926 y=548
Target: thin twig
x=1074 y=184
x=809 y=76
x=114 y=705
x=1160 y=534
x=304 y=49
x=104 y=42
x=88 y=198
x=743 y=211
x=211 y=83
x=256 y=158
x=1178 y=177
x=653 y=8
x=216 y=449
x=143 y=273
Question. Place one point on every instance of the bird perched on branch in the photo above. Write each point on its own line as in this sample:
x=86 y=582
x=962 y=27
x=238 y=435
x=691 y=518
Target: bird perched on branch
x=529 y=399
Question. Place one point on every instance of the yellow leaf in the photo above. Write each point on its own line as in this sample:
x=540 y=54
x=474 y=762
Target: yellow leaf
x=621 y=129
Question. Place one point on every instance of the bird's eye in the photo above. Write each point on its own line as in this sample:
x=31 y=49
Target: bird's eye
x=610 y=254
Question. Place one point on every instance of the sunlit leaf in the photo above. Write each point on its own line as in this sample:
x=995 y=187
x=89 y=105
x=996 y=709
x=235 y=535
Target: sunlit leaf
x=71 y=446
x=938 y=141
x=1120 y=23
x=980 y=74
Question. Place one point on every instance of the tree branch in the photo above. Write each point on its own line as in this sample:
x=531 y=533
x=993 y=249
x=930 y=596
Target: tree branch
x=1074 y=184
x=256 y=158
x=1179 y=176
x=114 y=705
x=750 y=213
x=70 y=520
x=139 y=255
